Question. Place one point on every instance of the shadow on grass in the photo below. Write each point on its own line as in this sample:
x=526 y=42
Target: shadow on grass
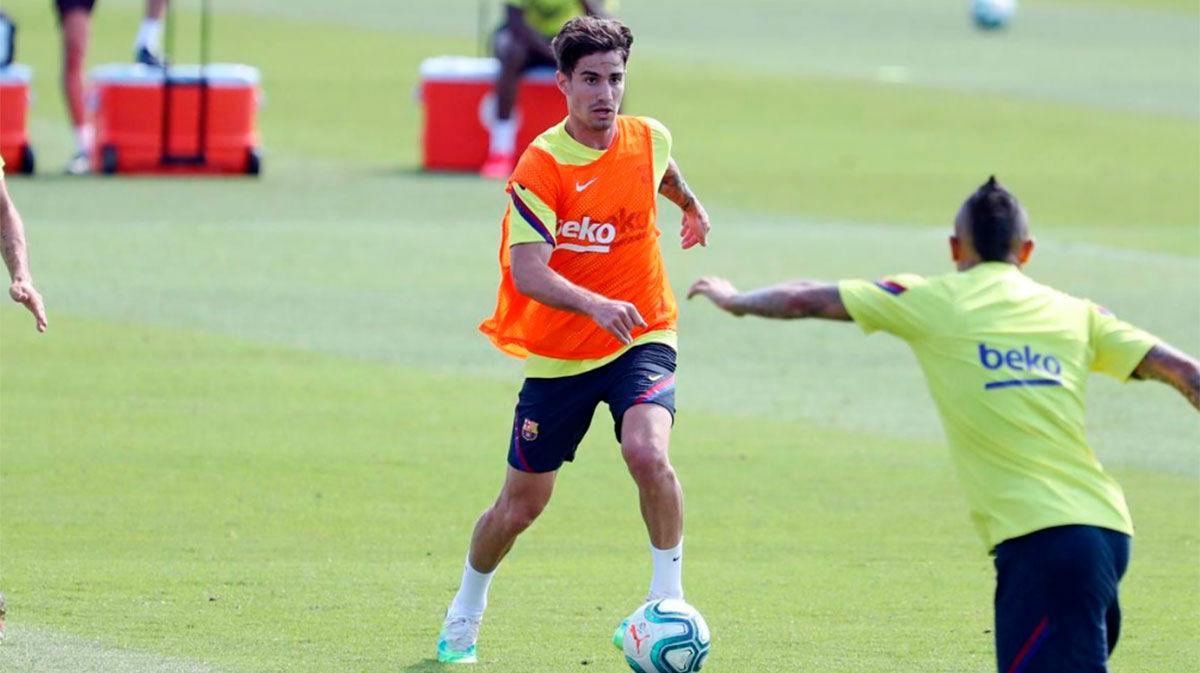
x=425 y=666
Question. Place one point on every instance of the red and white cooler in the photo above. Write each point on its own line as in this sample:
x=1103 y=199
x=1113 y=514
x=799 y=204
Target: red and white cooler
x=199 y=120
x=14 y=117
x=460 y=102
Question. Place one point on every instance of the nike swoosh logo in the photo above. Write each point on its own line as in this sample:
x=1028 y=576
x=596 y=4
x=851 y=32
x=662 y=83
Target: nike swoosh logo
x=654 y=377
x=579 y=187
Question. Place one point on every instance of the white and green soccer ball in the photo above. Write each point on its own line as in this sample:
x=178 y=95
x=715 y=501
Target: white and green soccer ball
x=666 y=636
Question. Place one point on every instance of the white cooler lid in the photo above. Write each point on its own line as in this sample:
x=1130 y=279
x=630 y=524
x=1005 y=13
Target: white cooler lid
x=16 y=73
x=472 y=69
x=218 y=74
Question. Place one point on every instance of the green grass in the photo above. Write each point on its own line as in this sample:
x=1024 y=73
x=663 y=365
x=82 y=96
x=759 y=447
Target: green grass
x=836 y=149
x=249 y=506
x=260 y=428
x=1175 y=5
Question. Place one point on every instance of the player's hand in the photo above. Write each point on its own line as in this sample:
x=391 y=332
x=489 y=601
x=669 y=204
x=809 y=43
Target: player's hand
x=618 y=318
x=695 y=226
x=718 y=289
x=23 y=292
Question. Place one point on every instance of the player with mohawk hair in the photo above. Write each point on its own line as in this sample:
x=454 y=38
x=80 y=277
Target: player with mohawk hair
x=1006 y=360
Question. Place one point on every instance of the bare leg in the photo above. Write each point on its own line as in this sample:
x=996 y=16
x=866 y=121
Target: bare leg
x=512 y=54
x=76 y=29
x=155 y=9
x=645 y=438
x=502 y=131
x=521 y=500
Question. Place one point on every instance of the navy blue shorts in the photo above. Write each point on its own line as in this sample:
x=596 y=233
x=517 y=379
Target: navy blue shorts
x=1056 y=599
x=65 y=7
x=553 y=415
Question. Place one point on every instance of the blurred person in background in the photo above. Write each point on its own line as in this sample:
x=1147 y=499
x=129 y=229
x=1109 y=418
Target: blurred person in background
x=523 y=42
x=75 y=23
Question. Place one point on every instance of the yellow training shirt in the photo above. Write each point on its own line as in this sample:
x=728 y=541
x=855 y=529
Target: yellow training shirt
x=1006 y=361
x=547 y=17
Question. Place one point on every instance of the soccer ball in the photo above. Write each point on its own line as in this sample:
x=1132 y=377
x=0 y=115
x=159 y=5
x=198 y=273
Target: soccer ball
x=666 y=636
x=993 y=14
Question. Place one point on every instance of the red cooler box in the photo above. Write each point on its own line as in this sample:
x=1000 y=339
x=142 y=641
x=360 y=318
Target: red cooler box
x=14 y=112
x=459 y=97
x=147 y=125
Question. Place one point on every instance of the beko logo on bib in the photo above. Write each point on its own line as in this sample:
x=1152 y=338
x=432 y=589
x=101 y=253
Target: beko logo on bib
x=1020 y=360
x=586 y=236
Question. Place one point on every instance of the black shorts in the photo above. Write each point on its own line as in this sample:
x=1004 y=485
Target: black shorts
x=65 y=6
x=553 y=415
x=1056 y=599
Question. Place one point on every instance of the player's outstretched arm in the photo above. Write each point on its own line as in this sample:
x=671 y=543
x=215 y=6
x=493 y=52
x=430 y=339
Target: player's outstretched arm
x=695 y=225
x=12 y=247
x=1174 y=368
x=535 y=279
x=795 y=299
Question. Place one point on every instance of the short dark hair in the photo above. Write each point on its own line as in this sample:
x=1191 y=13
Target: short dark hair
x=995 y=218
x=587 y=35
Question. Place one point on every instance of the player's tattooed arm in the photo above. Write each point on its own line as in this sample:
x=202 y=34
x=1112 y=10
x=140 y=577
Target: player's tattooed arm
x=675 y=188
x=1174 y=368
x=695 y=225
x=12 y=238
x=795 y=299
x=12 y=248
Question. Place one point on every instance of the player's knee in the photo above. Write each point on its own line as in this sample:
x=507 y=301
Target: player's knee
x=647 y=462
x=520 y=513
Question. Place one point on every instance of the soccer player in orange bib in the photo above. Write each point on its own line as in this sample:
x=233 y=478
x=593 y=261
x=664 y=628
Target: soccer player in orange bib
x=584 y=299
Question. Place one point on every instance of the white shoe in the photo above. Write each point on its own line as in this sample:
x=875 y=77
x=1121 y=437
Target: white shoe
x=79 y=164
x=456 y=644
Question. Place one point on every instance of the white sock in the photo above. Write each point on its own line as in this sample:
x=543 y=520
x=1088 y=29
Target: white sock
x=471 y=599
x=84 y=137
x=667 y=581
x=504 y=136
x=148 y=34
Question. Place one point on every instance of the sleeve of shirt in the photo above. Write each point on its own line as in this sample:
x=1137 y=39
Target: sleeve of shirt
x=661 y=138
x=1117 y=347
x=896 y=305
x=533 y=195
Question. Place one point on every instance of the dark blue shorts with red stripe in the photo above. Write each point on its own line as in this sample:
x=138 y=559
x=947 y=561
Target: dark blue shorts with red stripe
x=1056 y=599
x=553 y=415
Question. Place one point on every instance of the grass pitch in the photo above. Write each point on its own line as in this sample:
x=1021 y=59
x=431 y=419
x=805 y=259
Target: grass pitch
x=260 y=428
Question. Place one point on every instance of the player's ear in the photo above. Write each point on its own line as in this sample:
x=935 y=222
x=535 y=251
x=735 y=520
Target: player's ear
x=563 y=81
x=1025 y=252
x=955 y=249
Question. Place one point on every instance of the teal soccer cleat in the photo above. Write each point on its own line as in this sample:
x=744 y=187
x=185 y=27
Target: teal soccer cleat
x=456 y=644
x=618 y=639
